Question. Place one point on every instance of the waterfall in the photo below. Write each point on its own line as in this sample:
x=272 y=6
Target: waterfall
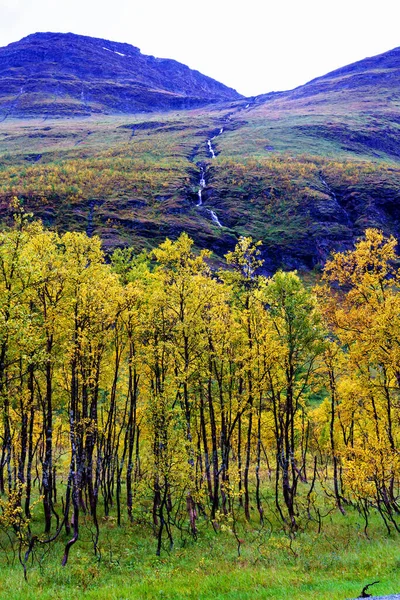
x=202 y=186
x=214 y=218
x=210 y=148
x=199 y=204
x=202 y=180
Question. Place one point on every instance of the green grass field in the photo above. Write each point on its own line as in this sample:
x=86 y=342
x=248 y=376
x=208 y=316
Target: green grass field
x=334 y=564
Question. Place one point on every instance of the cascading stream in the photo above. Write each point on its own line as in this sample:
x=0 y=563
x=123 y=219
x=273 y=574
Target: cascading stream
x=202 y=184
x=210 y=148
x=209 y=144
x=214 y=217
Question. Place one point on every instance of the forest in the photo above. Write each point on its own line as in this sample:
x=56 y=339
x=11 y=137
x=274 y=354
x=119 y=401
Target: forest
x=152 y=389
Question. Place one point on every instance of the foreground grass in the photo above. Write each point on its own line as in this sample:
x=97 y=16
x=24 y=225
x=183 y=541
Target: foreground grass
x=334 y=564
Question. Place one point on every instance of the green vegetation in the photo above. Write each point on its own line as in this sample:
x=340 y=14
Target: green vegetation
x=333 y=565
x=134 y=182
x=170 y=430
x=163 y=425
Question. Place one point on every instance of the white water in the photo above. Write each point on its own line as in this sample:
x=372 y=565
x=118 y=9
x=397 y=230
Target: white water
x=202 y=180
x=214 y=217
x=202 y=186
x=221 y=131
x=210 y=149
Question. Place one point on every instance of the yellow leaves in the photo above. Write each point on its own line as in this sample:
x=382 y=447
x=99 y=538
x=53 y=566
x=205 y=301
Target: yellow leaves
x=187 y=363
x=320 y=417
x=11 y=513
x=364 y=471
x=245 y=257
x=366 y=270
x=78 y=180
x=178 y=256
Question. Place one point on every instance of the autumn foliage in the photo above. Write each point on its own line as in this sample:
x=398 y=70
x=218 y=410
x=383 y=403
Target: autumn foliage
x=156 y=390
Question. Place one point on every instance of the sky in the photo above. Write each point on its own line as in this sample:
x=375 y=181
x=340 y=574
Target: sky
x=254 y=46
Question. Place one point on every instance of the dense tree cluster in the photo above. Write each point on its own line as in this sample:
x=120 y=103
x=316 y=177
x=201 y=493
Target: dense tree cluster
x=156 y=390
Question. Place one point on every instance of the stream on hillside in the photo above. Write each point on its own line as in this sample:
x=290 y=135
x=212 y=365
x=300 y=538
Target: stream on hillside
x=202 y=181
x=202 y=185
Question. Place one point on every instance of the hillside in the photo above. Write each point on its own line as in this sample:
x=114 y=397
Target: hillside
x=305 y=171
x=353 y=109
x=55 y=74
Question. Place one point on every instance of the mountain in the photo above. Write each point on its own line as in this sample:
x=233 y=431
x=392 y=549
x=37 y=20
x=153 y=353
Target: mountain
x=355 y=107
x=382 y=70
x=57 y=74
x=305 y=170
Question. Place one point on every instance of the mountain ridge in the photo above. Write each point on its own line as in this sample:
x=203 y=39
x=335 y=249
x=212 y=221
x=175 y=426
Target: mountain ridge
x=66 y=74
x=350 y=77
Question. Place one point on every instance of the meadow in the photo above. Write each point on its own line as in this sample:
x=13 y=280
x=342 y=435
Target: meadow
x=334 y=564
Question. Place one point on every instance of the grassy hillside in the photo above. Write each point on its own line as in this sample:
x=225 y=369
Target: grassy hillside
x=135 y=180
x=305 y=171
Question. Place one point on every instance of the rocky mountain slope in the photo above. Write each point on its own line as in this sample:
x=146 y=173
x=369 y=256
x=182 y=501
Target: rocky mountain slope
x=305 y=171
x=55 y=74
x=382 y=70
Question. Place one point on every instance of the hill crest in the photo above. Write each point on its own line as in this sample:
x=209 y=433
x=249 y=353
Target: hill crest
x=65 y=74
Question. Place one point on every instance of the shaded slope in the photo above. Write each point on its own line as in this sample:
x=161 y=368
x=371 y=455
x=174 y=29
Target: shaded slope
x=56 y=74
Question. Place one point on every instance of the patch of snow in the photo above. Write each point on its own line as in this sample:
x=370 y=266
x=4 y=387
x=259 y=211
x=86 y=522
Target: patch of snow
x=115 y=52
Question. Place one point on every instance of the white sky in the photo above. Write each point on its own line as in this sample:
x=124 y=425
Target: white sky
x=254 y=46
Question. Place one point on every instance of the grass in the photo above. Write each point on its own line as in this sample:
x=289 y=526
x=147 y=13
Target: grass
x=334 y=564
x=142 y=172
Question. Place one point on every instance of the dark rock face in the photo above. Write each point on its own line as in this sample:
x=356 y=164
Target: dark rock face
x=56 y=74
